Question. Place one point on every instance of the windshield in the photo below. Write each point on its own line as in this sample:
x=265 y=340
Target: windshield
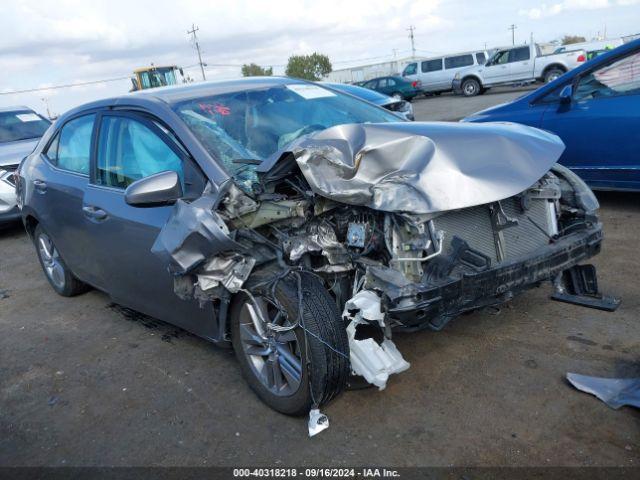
x=21 y=125
x=254 y=124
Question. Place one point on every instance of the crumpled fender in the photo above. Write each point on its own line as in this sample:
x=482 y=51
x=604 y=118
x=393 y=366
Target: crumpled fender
x=425 y=168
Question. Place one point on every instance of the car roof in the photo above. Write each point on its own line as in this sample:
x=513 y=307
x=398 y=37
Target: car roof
x=179 y=93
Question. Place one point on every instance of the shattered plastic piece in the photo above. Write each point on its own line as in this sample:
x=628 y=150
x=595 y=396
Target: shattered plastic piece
x=228 y=270
x=425 y=167
x=317 y=422
x=615 y=392
x=375 y=362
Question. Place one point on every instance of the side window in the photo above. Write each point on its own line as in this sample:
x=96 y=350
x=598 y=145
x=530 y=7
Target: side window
x=383 y=83
x=391 y=82
x=500 y=58
x=371 y=84
x=619 y=78
x=410 y=69
x=481 y=58
x=128 y=150
x=519 y=54
x=431 y=65
x=74 y=144
x=52 y=150
x=458 y=61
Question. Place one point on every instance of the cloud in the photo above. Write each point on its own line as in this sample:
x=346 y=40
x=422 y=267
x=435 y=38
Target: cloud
x=549 y=10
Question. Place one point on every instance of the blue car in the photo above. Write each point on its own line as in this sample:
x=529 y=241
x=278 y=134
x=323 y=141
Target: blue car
x=595 y=110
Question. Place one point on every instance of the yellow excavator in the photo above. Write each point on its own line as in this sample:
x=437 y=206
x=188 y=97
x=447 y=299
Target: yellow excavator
x=154 y=77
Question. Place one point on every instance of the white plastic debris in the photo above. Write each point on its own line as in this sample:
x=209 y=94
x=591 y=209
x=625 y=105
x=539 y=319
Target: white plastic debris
x=375 y=362
x=318 y=422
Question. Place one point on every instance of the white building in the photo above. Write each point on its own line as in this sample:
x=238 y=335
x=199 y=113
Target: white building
x=366 y=72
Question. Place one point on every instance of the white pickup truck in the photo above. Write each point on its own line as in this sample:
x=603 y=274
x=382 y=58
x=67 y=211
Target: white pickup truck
x=516 y=65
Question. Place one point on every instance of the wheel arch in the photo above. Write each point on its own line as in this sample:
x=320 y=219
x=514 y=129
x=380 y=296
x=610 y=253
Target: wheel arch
x=30 y=224
x=553 y=66
x=471 y=76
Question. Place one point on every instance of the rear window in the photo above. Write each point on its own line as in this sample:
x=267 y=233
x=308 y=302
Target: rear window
x=431 y=65
x=458 y=61
x=21 y=125
x=519 y=54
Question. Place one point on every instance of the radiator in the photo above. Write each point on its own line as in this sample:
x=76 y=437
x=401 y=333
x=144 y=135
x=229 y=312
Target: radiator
x=475 y=226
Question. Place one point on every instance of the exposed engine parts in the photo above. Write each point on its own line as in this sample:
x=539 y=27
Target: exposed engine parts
x=397 y=250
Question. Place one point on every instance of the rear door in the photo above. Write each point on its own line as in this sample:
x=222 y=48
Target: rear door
x=60 y=181
x=433 y=75
x=520 y=63
x=129 y=147
x=601 y=126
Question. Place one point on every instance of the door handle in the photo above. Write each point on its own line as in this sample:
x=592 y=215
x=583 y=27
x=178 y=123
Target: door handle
x=94 y=212
x=40 y=185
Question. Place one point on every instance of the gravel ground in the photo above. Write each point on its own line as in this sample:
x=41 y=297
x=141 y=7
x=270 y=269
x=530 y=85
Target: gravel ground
x=84 y=383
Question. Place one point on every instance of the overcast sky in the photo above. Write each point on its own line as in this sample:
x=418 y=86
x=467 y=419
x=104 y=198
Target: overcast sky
x=46 y=43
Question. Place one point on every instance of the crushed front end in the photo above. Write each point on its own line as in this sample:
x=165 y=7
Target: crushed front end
x=406 y=226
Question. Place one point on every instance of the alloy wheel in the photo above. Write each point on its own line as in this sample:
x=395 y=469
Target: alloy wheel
x=274 y=357
x=51 y=260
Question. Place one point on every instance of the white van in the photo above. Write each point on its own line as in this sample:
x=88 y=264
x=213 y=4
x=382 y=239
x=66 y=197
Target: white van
x=436 y=74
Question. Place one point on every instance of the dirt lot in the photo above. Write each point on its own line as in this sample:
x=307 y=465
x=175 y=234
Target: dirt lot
x=82 y=383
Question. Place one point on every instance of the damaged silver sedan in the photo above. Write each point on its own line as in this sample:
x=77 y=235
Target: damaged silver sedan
x=302 y=226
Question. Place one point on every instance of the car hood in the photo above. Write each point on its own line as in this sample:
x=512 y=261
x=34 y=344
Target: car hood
x=422 y=168
x=11 y=153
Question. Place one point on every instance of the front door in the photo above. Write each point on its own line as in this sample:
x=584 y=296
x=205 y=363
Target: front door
x=497 y=70
x=601 y=125
x=131 y=147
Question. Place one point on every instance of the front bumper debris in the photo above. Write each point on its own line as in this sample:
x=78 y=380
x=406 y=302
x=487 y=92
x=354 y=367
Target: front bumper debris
x=415 y=306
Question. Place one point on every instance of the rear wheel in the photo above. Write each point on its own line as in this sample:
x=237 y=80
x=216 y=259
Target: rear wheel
x=288 y=368
x=470 y=87
x=396 y=95
x=552 y=74
x=56 y=271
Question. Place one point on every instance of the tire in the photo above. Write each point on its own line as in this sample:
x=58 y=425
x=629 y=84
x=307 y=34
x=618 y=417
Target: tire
x=58 y=274
x=470 y=87
x=551 y=74
x=397 y=96
x=324 y=368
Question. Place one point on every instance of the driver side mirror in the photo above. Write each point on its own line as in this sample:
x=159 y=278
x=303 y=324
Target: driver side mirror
x=566 y=94
x=156 y=190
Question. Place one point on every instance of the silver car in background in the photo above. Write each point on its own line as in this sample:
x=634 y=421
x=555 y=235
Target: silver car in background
x=20 y=130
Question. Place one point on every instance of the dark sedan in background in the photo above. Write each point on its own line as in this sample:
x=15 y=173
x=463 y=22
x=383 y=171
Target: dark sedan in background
x=595 y=110
x=396 y=87
x=400 y=107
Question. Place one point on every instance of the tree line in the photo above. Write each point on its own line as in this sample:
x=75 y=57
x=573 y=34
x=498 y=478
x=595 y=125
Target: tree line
x=308 y=67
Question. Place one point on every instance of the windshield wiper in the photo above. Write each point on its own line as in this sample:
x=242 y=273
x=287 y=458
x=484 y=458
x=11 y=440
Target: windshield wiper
x=247 y=161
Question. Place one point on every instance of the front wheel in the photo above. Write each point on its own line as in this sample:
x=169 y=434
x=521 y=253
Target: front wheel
x=291 y=369
x=470 y=87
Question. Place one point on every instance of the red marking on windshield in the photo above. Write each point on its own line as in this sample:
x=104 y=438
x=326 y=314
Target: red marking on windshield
x=213 y=109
